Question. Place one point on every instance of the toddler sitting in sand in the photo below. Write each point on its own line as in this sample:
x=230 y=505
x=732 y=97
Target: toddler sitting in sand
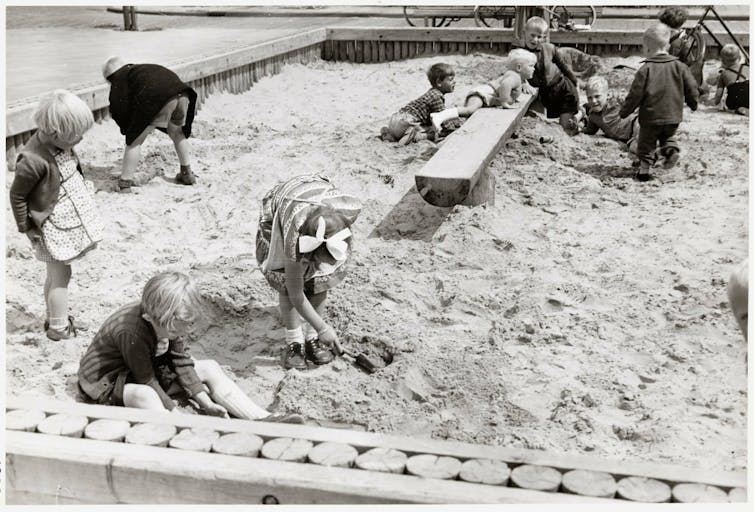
x=659 y=89
x=501 y=92
x=138 y=357
x=144 y=97
x=602 y=112
x=411 y=122
x=733 y=80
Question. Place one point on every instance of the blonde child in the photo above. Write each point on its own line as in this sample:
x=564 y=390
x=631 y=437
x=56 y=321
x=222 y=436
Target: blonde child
x=733 y=80
x=659 y=89
x=52 y=203
x=501 y=92
x=556 y=82
x=602 y=112
x=303 y=242
x=411 y=122
x=138 y=358
x=144 y=97
x=682 y=43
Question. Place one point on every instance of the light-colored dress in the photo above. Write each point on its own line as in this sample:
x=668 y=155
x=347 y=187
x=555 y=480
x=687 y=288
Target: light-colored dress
x=73 y=228
x=283 y=213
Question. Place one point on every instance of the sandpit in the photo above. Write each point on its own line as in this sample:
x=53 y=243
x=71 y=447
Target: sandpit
x=583 y=312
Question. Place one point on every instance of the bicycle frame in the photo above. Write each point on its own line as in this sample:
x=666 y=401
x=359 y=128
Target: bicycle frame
x=725 y=26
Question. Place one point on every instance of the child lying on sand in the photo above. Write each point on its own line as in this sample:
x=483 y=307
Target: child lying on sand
x=411 y=122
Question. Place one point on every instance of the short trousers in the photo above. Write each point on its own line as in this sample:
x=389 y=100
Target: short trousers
x=400 y=122
x=560 y=97
x=173 y=112
x=113 y=395
x=484 y=92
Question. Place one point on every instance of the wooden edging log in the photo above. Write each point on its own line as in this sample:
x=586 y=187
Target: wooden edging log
x=364 y=441
x=458 y=173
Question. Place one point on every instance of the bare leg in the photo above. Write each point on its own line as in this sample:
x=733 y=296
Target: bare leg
x=47 y=298
x=226 y=392
x=473 y=104
x=58 y=275
x=180 y=142
x=132 y=155
x=317 y=301
x=142 y=397
x=288 y=313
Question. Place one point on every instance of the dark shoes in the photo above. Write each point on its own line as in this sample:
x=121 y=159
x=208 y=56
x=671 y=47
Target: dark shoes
x=68 y=332
x=185 y=177
x=318 y=354
x=671 y=158
x=294 y=357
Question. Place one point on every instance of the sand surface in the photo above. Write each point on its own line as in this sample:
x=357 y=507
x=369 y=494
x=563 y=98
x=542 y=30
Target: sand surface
x=584 y=312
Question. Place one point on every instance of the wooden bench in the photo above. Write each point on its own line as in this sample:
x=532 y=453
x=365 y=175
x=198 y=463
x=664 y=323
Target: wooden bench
x=457 y=173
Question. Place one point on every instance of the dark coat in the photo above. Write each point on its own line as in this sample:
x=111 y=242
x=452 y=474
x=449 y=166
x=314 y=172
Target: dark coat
x=139 y=91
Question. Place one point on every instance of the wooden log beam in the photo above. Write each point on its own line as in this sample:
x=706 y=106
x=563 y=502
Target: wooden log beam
x=363 y=441
x=69 y=470
x=453 y=172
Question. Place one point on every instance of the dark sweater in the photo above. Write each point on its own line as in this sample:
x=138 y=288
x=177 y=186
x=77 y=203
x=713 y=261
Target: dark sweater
x=549 y=65
x=127 y=342
x=139 y=91
x=660 y=87
x=36 y=185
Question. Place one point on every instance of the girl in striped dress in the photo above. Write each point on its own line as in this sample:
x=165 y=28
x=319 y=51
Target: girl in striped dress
x=303 y=242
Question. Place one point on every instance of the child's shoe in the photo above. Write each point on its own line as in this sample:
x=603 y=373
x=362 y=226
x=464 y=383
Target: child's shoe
x=316 y=353
x=62 y=334
x=294 y=357
x=672 y=156
x=186 y=177
x=124 y=186
x=742 y=111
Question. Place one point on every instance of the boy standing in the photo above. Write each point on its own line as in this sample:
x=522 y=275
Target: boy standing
x=144 y=97
x=659 y=90
x=553 y=77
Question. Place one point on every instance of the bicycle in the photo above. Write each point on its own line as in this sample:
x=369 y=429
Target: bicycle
x=561 y=17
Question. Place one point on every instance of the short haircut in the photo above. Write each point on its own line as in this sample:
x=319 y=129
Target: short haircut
x=597 y=83
x=520 y=56
x=657 y=37
x=674 y=17
x=334 y=222
x=63 y=114
x=729 y=54
x=171 y=296
x=537 y=21
x=438 y=72
x=111 y=65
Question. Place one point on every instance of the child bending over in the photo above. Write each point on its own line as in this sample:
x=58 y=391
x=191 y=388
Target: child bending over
x=52 y=203
x=733 y=80
x=501 y=92
x=144 y=97
x=555 y=80
x=303 y=242
x=138 y=358
x=602 y=112
x=411 y=122
x=659 y=89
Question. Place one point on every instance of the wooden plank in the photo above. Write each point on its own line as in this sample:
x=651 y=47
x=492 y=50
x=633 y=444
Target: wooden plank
x=408 y=445
x=102 y=472
x=451 y=174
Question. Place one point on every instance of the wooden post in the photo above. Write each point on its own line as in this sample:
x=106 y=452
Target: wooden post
x=126 y=18
x=134 y=25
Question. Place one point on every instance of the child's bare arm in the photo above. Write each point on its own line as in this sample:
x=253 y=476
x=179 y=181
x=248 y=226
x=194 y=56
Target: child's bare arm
x=504 y=97
x=718 y=95
x=563 y=67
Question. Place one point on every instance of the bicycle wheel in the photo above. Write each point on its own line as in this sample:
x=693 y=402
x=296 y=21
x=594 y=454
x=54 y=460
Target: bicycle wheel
x=562 y=16
x=502 y=14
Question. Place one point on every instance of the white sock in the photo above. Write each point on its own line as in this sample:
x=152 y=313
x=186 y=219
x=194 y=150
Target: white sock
x=294 y=336
x=58 y=324
x=237 y=403
x=310 y=333
x=440 y=117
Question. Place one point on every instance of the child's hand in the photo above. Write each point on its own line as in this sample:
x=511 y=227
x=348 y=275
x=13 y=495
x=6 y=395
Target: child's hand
x=329 y=336
x=34 y=235
x=527 y=89
x=214 y=409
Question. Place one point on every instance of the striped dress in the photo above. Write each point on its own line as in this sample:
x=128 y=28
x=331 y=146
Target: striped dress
x=284 y=210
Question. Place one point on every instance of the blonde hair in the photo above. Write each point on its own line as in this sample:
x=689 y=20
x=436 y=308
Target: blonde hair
x=729 y=55
x=111 y=65
x=519 y=56
x=538 y=22
x=657 y=37
x=63 y=114
x=597 y=83
x=171 y=296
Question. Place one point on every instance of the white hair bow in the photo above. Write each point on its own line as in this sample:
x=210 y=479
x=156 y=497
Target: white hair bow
x=336 y=244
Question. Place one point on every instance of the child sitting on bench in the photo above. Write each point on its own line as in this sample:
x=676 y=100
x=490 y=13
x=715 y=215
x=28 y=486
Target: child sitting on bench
x=555 y=80
x=602 y=112
x=501 y=92
x=411 y=122
x=733 y=80
x=138 y=357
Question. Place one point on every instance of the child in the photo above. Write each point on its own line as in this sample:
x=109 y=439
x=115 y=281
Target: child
x=738 y=296
x=144 y=97
x=659 y=89
x=501 y=92
x=682 y=44
x=53 y=205
x=138 y=357
x=411 y=122
x=555 y=80
x=602 y=112
x=303 y=242
x=733 y=79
